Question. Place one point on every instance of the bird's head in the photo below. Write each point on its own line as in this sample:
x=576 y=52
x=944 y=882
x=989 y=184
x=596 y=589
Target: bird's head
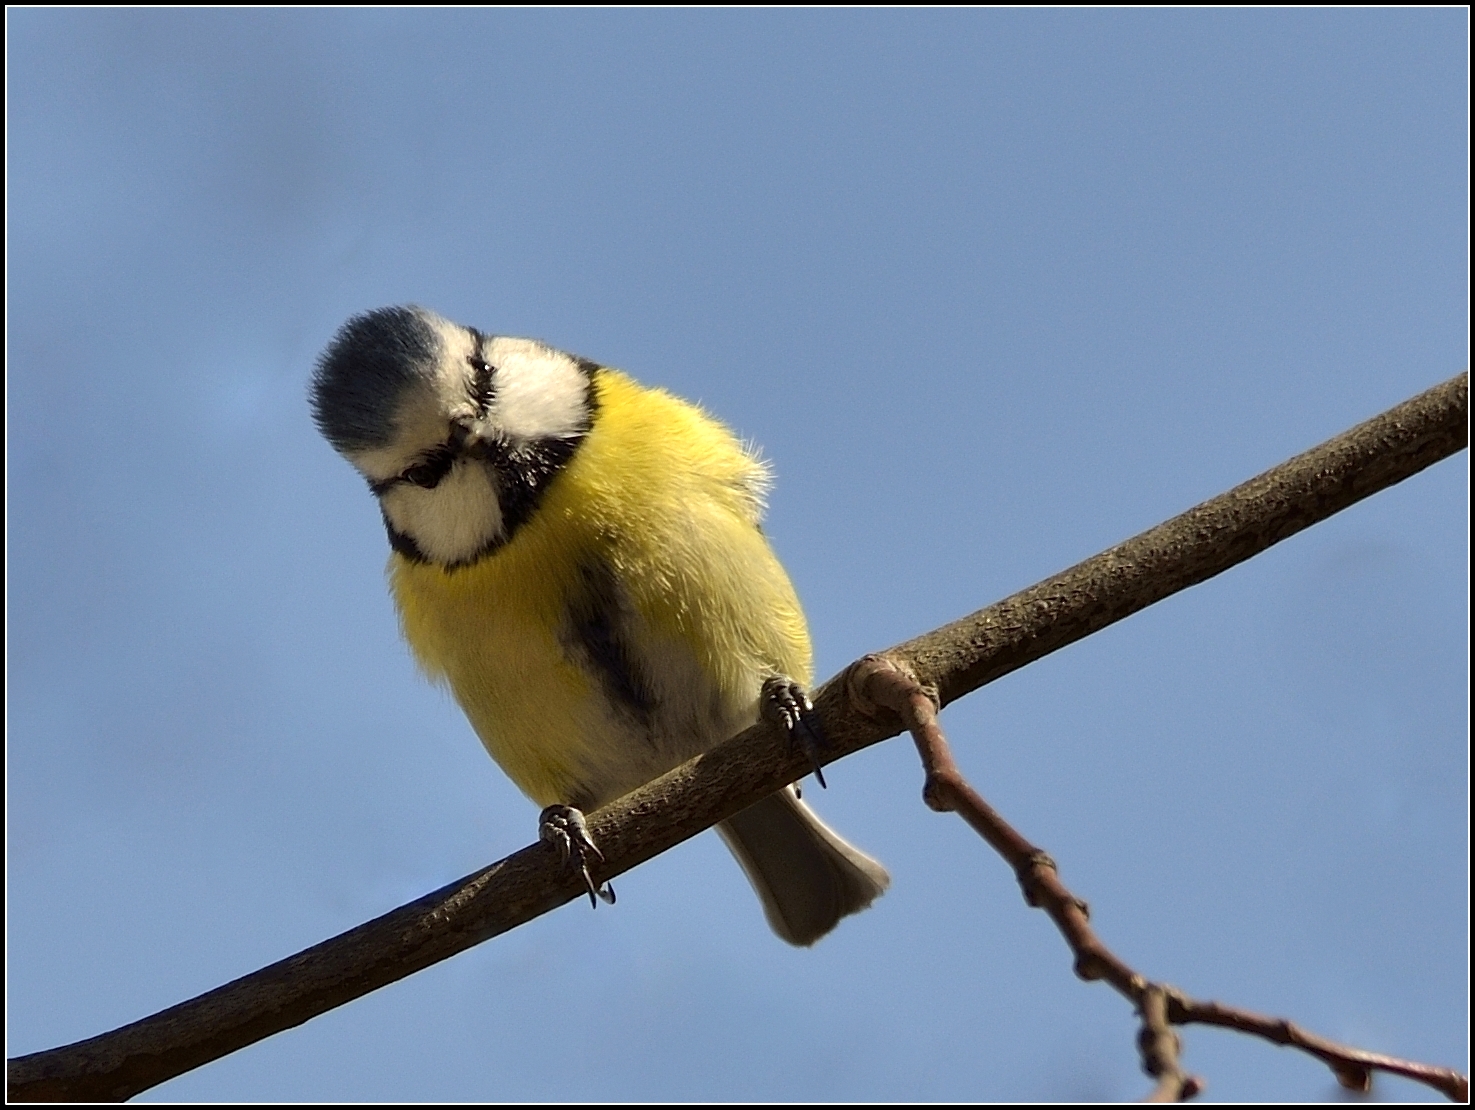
x=458 y=433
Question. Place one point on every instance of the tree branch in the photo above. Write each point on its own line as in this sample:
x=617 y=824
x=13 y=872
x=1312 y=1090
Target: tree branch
x=953 y=661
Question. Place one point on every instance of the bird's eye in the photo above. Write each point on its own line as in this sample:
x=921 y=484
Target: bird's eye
x=428 y=474
x=482 y=389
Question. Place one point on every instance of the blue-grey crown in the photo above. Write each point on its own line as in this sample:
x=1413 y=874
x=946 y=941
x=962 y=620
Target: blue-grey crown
x=365 y=370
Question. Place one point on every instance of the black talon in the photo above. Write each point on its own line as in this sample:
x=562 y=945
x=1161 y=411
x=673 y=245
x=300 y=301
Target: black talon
x=565 y=828
x=787 y=705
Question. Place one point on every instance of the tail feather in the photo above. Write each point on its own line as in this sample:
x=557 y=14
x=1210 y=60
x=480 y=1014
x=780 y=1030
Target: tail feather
x=807 y=877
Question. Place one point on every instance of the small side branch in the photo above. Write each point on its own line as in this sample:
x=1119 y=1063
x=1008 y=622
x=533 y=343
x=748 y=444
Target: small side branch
x=878 y=683
x=1160 y=1046
x=1353 y=1067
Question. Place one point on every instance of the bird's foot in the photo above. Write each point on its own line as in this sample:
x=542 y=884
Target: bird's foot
x=787 y=705
x=565 y=828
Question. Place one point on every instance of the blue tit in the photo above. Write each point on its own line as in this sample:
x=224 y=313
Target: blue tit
x=579 y=558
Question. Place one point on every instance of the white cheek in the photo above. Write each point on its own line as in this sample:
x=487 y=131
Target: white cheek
x=541 y=393
x=451 y=522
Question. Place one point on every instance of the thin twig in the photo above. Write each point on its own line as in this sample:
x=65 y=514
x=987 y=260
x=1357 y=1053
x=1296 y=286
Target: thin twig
x=877 y=682
x=953 y=660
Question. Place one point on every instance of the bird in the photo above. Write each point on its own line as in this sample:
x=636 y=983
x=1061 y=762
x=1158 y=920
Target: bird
x=580 y=559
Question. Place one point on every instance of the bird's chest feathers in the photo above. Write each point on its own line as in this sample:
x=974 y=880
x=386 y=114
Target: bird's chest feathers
x=579 y=692
x=629 y=623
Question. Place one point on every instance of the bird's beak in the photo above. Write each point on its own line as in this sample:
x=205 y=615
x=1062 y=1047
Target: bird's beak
x=466 y=440
x=462 y=437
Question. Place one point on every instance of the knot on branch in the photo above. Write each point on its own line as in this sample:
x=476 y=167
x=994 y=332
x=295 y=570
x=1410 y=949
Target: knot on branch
x=1090 y=966
x=877 y=683
x=1029 y=873
x=1354 y=1077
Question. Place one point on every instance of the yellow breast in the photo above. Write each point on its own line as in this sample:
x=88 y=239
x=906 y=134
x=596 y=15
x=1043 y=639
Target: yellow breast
x=658 y=510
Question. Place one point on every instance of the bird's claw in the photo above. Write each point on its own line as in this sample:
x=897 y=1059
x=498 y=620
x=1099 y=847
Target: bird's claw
x=787 y=705
x=565 y=828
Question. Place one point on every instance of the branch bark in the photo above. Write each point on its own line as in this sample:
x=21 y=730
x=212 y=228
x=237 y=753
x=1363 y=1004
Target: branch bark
x=953 y=661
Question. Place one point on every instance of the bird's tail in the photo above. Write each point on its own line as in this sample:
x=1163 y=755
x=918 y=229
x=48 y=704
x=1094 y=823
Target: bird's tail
x=807 y=877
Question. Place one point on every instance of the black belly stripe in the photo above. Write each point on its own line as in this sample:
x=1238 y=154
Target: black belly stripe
x=595 y=621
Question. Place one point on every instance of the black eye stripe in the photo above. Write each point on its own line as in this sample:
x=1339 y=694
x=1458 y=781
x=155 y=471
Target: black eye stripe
x=483 y=385
x=428 y=472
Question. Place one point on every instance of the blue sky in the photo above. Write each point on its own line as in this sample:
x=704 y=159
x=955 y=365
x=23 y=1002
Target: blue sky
x=993 y=289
